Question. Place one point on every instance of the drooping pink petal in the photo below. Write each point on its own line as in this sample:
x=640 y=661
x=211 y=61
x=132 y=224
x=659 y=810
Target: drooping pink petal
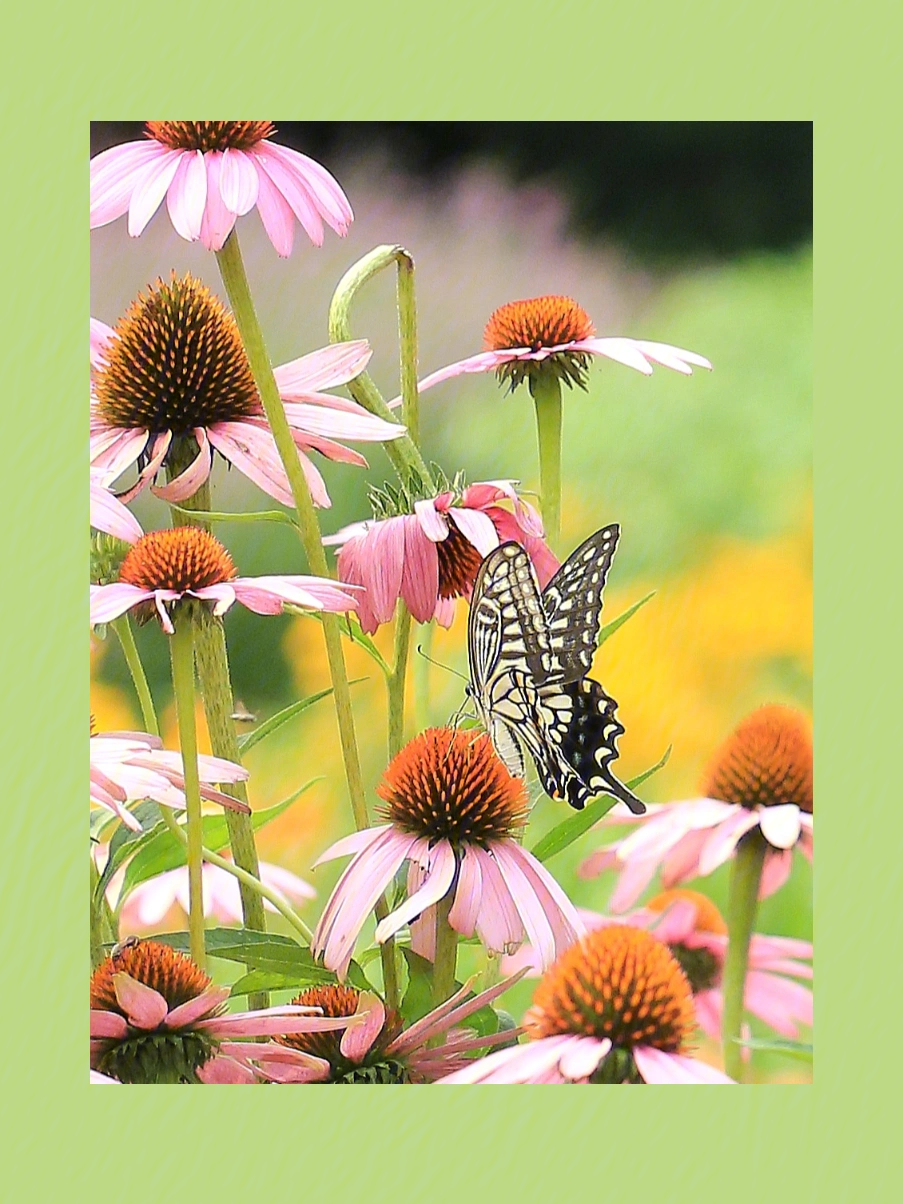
x=563 y=917
x=113 y=450
x=434 y=888
x=328 y=448
x=535 y=920
x=150 y=189
x=352 y=844
x=114 y=173
x=624 y=351
x=145 y=1007
x=108 y=514
x=660 y=833
x=323 y=369
x=444 y=614
x=186 y=1014
x=468 y=895
x=778 y=1001
x=499 y=923
x=780 y=824
x=334 y=423
x=267 y=595
x=382 y=563
x=321 y=187
x=189 y=481
x=635 y=877
x=708 y=1012
x=518 y=1064
x=598 y=862
x=484 y=361
x=368 y=1020
x=238 y=181
x=723 y=839
x=218 y=219
x=420 y=572
x=275 y=212
x=682 y=863
x=763 y=947
x=775 y=871
x=158 y=453
x=225 y=1070
x=434 y=525
x=254 y=453
x=187 y=195
x=578 y=1061
x=292 y=188
x=477 y=528
x=108 y=602
x=96 y=1079
x=108 y=1024
x=657 y=1066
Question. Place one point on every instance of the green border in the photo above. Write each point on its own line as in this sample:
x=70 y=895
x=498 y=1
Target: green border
x=524 y=61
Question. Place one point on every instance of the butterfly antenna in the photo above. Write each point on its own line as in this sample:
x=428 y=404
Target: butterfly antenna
x=439 y=664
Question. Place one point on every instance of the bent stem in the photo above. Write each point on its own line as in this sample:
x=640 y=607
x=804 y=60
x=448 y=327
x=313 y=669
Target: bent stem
x=742 y=903
x=181 y=646
x=547 y=399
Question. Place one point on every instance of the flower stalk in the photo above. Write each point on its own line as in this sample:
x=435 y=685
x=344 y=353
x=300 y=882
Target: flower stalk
x=123 y=628
x=395 y=682
x=446 y=952
x=182 y=656
x=742 y=904
x=546 y=390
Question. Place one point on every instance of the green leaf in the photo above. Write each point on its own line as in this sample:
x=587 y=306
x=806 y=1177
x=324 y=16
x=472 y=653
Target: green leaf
x=579 y=822
x=418 y=999
x=610 y=628
x=794 y=1049
x=124 y=843
x=221 y=516
x=271 y=980
x=265 y=951
x=162 y=851
x=249 y=739
x=351 y=630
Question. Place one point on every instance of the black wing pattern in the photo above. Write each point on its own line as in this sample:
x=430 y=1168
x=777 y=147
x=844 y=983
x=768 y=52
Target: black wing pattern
x=529 y=653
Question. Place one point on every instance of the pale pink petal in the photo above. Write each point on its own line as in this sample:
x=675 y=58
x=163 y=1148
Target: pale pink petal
x=778 y=1001
x=624 y=351
x=468 y=895
x=805 y=844
x=775 y=871
x=114 y=450
x=238 y=181
x=477 y=528
x=682 y=862
x=195 y=1009
x=150 y=189
x=598 y=862
x=321 y=188
x=225 y=1070
x=780 y=824
x=275 y=213
x=708 y=1013
x=101 y=337
x=762 y=946
x=420 y=572
x=723 y=840
x=563 y=918
x=108 y=514
x=536 y=922
x=370 y=1015
x=672 y=357
x=287 y=181
x=434 y=525
x=383 y=560
x=145 y=1007
x=580 y=1060
x=634 y=879
x=484 y=361
x=157 y=456
x=660 y=833
x=108 y=1024
x=352 y=844
x=96 y=1079
x=187 y=196
x=189 y=481
x=658 y=1067
x=677 y=923
x=268 y=595
x=108 y=602
x=114 y=173
x=435 y=887
x=499 y=924
x=253 y=451
x=340 y=423
x=323 y=369
x=218 y=219
x=444 y=614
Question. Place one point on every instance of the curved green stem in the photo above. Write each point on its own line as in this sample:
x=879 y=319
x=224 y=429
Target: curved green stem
x=181 y=646
x=547 y=399
x=742 y=904
x=252 y=883
x=404 y=453
x=236 y=282
x=123 y=628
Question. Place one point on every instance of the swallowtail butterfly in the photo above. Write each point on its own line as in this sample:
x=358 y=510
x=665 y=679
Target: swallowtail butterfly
x=529 y=653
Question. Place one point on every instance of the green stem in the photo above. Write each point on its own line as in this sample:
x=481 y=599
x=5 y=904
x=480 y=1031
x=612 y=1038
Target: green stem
x=404 y=453
x=181 y=647
x=396 y=680
x=212 y=660
x=446 y=952
x=742 y=903
x=96 y=917
x=547 y=399
x=236 y=282
x=252 y=883
x=123 y=628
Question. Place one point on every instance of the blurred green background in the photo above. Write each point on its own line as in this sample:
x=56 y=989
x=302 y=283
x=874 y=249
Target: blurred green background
x=696 y=234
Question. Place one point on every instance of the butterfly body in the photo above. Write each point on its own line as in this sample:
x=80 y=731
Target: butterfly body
x=529 y=653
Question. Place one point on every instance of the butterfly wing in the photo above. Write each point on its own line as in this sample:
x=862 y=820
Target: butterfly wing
x=573 y=604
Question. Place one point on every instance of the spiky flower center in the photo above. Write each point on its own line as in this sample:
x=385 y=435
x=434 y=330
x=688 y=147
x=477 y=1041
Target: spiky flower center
x=176 y=362
x=374 y=1067
x=171 y=974
x=178 y=558
x=209 y=135
x=537 y=323
x=766 y=761
x=617 y=982
x=450 y=785
x=459 y=563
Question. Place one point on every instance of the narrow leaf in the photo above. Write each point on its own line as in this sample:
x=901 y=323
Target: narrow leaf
x=352 y=630
x=124 y=843
x=265 y=951
x=249 y=739
x=795 y=1049
x=608 y=629
x=579 y=822
x=221 y=516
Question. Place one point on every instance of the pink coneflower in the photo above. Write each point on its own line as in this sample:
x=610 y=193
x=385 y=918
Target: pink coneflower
x=108 y=513
x=152 y=899
x=692 y=927
x=376 y=1047
x=759 y=781
x=128 y=766
x=615 y=1008
x=212 y=172
x=157 y=1018
x=430 y=556
x=171 y=384
x=168 y=568
x=554 y=336
x=454 y=811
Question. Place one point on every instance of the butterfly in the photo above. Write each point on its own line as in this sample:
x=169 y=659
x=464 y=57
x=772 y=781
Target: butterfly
x=529 y=653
